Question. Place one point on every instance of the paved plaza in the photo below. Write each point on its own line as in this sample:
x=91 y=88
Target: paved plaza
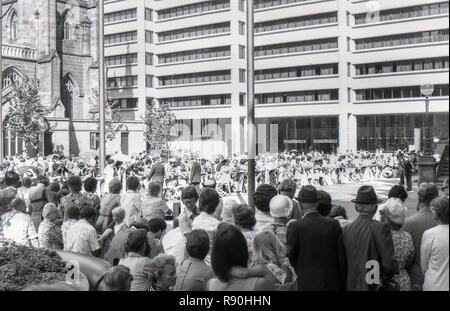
x=343 y=194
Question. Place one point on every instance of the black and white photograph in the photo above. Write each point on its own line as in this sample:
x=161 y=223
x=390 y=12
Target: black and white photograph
x=224 y=150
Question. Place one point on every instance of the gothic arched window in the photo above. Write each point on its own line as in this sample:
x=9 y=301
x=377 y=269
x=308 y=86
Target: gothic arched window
x=67 y=25
x=67 y=96
x=11 y=76
x=13 y=26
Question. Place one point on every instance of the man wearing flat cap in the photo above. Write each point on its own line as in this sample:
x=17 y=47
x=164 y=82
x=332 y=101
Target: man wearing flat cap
x=315 y=245
x=366 y=239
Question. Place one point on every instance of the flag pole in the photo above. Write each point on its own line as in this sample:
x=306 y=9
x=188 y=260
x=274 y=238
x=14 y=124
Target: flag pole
x=251 y=131
x=101 y=86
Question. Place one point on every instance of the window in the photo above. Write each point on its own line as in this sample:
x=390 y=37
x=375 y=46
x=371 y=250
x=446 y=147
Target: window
x=241 y=99
x=402 y=39
x=242 y=75
x=13 y=26
x=296 y=47
x=193 y=9
x=126 y=81
x=94 y=138
x=148 y=58
x=148 y=36
x=148 y=14
x=301 y=21
x=124 y=59
x=406 y=12
x=294 y=72
x=194 y=32
x=221 y=99
x=67 y=26
x=397 y=92
x=121 y=37
x=149 y=81
x=120 y=15
x=402 y=66
x=241 y=52
x=242 y=28
x=241 y=5
x=300 y=96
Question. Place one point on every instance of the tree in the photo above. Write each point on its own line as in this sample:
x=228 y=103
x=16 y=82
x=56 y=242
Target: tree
x=113 y=120
x=26 y=117
x=159 y=121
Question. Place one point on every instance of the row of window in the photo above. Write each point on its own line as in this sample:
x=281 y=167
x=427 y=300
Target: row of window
x=194 y=31
x=199 y=77
x=295 y=97
x=295 y=72
x=402 y=39
x=268 y=3
x=121 y=37
x=193 y=9
x=301 y=21
x=402 y=13
x=120 y=15
x=296 y=47
x=398 y=92
x=220 y=51
x=402 y=66
x=207 y=100
x=124 y=59
x=127 y=103
x=125 y=81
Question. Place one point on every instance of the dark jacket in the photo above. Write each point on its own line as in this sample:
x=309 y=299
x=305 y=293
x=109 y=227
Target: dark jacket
x=316 y=251
x=196 y=173
x=360 y=248
x=416 y=225
x=157 y=173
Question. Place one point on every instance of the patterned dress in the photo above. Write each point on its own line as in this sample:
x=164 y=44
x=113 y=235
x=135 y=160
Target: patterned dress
x=403 y=250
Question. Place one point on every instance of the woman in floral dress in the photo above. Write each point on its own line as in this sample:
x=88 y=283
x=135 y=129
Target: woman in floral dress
x=402 y=240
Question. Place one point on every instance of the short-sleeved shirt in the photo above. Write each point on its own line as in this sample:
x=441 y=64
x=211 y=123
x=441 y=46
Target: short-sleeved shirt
x=82 y=238
x=194 y=274
x=19 y=227
x=140 y=267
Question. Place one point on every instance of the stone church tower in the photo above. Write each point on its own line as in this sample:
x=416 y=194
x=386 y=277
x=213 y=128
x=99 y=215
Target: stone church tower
x=54 y=42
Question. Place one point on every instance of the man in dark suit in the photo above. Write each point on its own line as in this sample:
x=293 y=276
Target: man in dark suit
x=367 y=240
x=196 y=174
x=10 y=191
x=406 y=170
x=157 y=173
x=316 y=249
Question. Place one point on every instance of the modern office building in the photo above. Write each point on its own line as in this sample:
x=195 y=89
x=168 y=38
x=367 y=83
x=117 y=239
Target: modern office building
x=329 y=74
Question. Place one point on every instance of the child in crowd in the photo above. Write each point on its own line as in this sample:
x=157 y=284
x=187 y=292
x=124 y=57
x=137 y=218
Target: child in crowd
x=280 y=209
x=269 y=260
x=156 y=227
x=72 y=215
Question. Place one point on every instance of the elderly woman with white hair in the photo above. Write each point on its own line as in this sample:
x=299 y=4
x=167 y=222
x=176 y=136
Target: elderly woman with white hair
x=50 y=234
x=394 y=212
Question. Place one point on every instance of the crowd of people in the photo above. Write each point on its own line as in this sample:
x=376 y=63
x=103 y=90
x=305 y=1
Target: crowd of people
x=229 y=173
x=294 y=238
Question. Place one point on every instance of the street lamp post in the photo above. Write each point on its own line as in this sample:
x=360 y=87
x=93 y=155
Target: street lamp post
x=427 y=163
x=251 y=130
x=101 y=85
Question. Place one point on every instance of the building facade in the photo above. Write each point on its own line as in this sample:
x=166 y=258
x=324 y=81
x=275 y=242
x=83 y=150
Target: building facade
x=55 y=43
x=330 y=75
